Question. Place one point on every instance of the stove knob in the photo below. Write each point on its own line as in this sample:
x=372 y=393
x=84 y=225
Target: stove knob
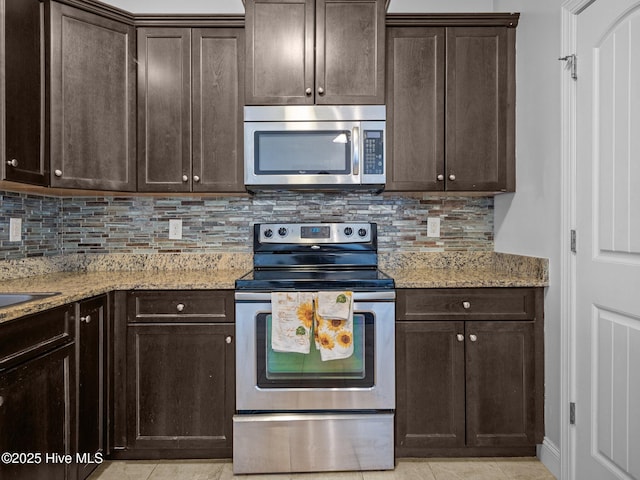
x=282 y=232
x=268 y=233
x=362 y=232
x=348 y=231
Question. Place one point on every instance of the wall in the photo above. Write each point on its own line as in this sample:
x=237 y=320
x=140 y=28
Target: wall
x=528 y=222
x=223 y=224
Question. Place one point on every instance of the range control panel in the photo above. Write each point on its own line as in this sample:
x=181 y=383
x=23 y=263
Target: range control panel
x=373 y=155
x=315 y=233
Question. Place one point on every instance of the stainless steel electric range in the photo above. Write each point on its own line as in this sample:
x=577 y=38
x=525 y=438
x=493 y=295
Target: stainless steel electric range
x=301 y=411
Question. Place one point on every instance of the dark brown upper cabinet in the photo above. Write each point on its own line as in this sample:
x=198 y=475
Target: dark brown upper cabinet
x=190 y=99
x=451 y=106
x=301 y=52
x=25 y=157
x=92 y=81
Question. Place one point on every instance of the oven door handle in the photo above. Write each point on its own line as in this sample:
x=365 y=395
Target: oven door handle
x=389 y=295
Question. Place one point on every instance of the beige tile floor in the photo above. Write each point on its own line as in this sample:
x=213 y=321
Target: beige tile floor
x=406 y=469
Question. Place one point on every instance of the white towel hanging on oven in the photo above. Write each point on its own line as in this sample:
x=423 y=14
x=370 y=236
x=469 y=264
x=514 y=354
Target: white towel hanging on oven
x=292 y=316
x=334 y=332
x=335 y=304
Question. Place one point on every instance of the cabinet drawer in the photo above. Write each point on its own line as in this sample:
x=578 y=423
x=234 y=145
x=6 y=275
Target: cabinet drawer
x=32 y=335
x=181 y=306
x=466 y=304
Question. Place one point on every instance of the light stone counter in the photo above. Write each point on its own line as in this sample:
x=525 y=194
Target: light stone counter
x=83 y=277
x=465 y=270
x=75 y=286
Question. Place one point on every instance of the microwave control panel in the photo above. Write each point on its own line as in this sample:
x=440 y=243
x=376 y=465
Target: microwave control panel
x=373 y=155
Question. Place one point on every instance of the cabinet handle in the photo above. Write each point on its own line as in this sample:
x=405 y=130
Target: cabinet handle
x=452 y=177
x=229 y=339
x=196 y=178
x=308 y=91
x=58 y=173
x=473 y=338
x=86 y=319
x=12 y=163
x=460 y=337
x=320 y=90
x=440 y=177
x=185 y=178
x=180 y=307
x=466 y=305
x=1 y=400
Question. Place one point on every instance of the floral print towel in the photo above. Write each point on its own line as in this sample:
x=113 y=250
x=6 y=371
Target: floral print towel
x=334 y=336
x=291 y=321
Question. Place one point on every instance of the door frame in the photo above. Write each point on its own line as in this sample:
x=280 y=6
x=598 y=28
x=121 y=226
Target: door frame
x=569 y=16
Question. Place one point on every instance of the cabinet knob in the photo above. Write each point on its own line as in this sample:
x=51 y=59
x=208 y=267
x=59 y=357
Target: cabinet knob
x=229 y=339
x=452 y=177
x=466 y=305
x=12 y=163
x=86 y=319
x=320 y=90
x=473 y=338
x=460 y=337
x=308 y=91
x=58 y=173
x=440 y=177
x=185 y=178
x=180 y=307
x=196 y=178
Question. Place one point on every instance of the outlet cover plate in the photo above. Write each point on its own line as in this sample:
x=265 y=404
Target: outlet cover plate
x=433 y=227
x=175 y=229
x=15 y=229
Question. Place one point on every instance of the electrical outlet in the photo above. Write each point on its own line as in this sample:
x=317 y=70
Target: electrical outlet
x=433 y=227
x=15 y=229
x=175 y=229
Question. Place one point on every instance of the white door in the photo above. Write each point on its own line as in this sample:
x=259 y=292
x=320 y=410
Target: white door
x=607 y=286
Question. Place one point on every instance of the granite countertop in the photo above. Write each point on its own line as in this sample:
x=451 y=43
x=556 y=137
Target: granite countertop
x=75 y=286
x=82 y=278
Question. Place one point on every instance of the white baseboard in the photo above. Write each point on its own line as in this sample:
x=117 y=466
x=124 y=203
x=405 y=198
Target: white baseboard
x=549 y=455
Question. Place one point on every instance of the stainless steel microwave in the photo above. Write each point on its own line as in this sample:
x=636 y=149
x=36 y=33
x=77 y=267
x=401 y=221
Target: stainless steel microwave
x=318 y=147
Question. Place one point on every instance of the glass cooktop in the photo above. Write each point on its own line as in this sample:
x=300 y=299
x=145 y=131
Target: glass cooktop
x=315 y=279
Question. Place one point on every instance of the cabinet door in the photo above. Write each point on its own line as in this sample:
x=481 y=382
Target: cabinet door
x=37 y=413
x=350 y=52
x=218 y=100
x=415 y=108
x=93 y=103
x=164 y=109
x=480 y=109
x=500 y=375
x=279 y=51
x=180 y=389
x=24 y=108
x=430 y=400
x=90 y=367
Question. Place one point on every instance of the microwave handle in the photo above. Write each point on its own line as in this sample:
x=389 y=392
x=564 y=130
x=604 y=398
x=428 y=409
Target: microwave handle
x=356 y=150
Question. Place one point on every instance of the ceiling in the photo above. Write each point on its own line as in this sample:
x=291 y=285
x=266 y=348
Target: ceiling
x=236 y=6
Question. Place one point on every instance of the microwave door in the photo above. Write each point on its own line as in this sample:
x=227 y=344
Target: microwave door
x=302 y=154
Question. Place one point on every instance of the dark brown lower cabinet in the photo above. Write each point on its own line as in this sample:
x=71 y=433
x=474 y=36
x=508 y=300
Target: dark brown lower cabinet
x=90 y=356
x=180 y=376
x=467 y=386
x=37 y=396
x=178 y=389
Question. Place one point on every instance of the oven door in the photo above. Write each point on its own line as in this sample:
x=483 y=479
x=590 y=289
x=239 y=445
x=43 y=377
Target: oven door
x=275 y=381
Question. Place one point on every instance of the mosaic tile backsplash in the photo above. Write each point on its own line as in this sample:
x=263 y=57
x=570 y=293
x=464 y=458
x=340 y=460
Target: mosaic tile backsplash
x=81 y=225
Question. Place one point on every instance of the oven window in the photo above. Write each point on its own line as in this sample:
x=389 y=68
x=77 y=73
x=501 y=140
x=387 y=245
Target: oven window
x=297 y=370
x=303 y=152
